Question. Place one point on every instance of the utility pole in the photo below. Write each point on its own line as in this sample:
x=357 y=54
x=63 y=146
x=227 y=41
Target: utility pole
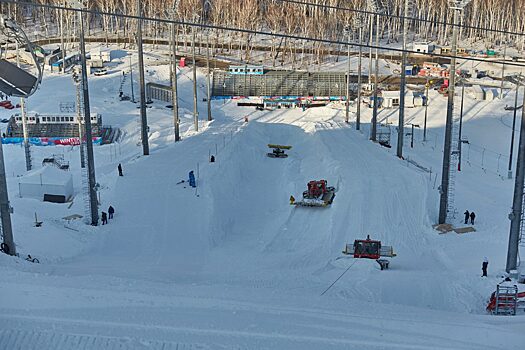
x=517 y=205
x=359 y=82
x=93 y=201
x=373 y=135
x=370 y=41
x=131 y=79
x=347 y=111
x=143 y=117
x=174 y=96
x=457 y=6
x=427 y=85
x=401 y=122
x=195 y=107
x=461 y=123
x=509 y=174
x=503 y=71
x=62 y=48
x=5 y=207
x=208 y=86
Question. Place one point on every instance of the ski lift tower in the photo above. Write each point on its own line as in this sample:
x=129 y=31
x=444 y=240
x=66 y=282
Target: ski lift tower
x=409 y=6
x=517 y=222
x=80 y=5
x=375 y=6
x=457 y=6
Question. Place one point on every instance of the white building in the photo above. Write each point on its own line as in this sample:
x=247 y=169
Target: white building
x=392 y=98
x=47 y=180
x=100 y=54
x=424 y=47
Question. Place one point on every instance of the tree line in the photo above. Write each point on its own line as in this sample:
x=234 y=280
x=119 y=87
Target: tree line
x=432 y=23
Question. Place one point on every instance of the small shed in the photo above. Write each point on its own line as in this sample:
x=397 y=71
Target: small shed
x=48 y=183
x=392 y=99
x=477 y=92
x=424 y=47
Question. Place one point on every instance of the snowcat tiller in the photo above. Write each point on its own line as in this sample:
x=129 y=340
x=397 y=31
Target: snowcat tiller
x=317 y=195
x=278 y=151
x=368 y=249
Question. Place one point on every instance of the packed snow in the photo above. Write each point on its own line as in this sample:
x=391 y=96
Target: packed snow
x=230 y=264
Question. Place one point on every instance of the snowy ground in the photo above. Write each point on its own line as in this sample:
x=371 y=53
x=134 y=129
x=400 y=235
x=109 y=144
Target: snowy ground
x=231 y=265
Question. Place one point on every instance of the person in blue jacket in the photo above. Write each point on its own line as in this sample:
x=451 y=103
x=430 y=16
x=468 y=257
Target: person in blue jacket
x=192 y=179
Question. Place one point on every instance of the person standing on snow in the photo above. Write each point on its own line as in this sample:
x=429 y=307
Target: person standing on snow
x=191 y=176
x=111 y=211
x=472 y=217
x=104 y=218
x=484 y=266
x=119 y=170
x=467 y=215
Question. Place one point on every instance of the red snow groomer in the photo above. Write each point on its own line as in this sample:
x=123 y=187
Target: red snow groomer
x=317 y=195
x=370 y=249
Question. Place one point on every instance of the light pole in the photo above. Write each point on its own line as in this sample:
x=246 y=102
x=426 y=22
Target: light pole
x=347 y=115
x=457 y=6
x=373 y=135
x=517 y=81
x=427 y=85
x=503 y=71
x=359 y=78
x=174 y=92
x=208 y=79
x=402 y=86
x=131 y=79
x=195 y=107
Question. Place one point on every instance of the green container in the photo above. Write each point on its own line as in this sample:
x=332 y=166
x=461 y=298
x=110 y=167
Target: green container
x=491 y=52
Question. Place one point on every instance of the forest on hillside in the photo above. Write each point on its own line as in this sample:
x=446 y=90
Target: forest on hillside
x=482 y=21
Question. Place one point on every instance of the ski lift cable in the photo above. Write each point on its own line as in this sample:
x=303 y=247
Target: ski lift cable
x=256 y=32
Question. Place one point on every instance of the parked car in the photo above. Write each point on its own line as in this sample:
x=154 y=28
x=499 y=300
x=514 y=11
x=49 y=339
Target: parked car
x=100 y=72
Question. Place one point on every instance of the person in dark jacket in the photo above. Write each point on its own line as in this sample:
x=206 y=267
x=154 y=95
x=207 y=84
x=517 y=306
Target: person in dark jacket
x=104 y=218
x=119 y=170
x=472 y=217
x=467 y=216
x=111 y=211
x=192 y=179
x=484 y=266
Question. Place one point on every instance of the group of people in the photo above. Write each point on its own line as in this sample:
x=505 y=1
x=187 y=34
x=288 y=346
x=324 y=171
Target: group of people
x=469 y=215
x=111 y=211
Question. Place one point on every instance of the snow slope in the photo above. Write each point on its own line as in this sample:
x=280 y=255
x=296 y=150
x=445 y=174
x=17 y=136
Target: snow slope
x=231 y=265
